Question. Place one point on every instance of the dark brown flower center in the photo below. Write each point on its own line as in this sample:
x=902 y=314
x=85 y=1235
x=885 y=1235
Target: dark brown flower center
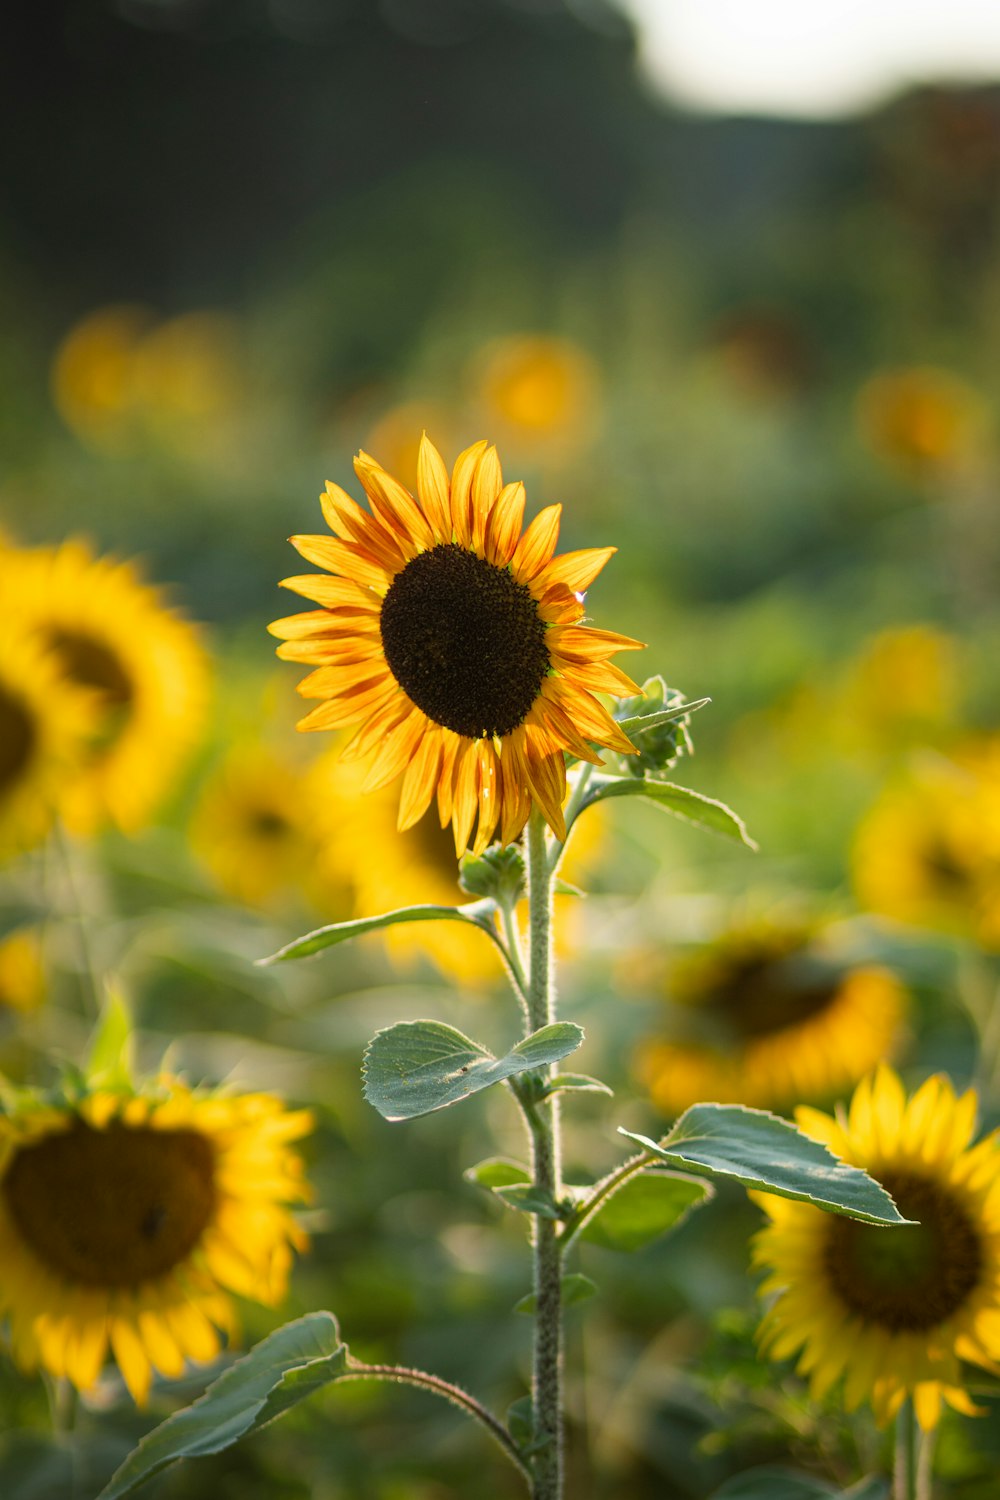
x=18 y=736
x=912 y=1277
x=112 y=1207
x=761 y=994
x=92 y=664
x=465 y=641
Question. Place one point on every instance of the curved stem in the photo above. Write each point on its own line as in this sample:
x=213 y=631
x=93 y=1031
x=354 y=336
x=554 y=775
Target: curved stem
x=404 y=1375
x=575 y=1221
x=513 y=957
x=543 y=1123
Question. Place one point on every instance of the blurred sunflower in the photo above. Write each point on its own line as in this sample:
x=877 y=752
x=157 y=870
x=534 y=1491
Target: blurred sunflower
x=45 y=726
x=397 y=434
x=22 y=971
x=128 y=1220
x=92 y=375
x=891 y=1311
x=763 y=1016
x=393 y=869
x=113 y=636
x=920 y=420
x=537 y=388
x=900 y=689
x=263 y=827
x=454 y=642
x=928 y=852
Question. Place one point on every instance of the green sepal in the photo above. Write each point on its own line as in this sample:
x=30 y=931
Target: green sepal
x=497 y=874
x=681 y=801
x=417 y=1067
x=575 y=1288
x=646 y=1206
x=656 y=721
x=474 y=913
x=282 y=1370
x=767 y=1154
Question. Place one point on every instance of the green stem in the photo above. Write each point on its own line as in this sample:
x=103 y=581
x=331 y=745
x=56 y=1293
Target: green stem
x=543 y=1123
x=403 y=1375
x=904 y=1475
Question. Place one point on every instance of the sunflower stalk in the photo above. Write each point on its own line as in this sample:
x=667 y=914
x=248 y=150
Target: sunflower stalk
x=543 y=1124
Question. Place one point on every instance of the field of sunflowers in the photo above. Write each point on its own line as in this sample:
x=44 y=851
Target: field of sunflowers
x=398 y=282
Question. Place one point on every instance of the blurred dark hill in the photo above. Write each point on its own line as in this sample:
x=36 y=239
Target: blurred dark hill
x=160 y=148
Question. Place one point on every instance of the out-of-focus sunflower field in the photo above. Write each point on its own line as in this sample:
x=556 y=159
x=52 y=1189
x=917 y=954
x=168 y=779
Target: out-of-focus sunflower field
x=240 y=241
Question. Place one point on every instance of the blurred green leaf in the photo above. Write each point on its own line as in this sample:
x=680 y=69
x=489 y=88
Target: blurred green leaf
x=474 y=913
x=761 y=1151
x=528 y=1199
x=575 y=1288
x=646 y=1206
x=693 y=807
x=497 y=1172
x=110 y=1057
x=283 y=1369
x=419 y=1066
x=520 y=1420
x=772 y=1482
x=580 y=1083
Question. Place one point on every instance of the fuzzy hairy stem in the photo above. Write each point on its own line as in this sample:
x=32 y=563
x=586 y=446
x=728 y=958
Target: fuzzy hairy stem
x=543 y=1123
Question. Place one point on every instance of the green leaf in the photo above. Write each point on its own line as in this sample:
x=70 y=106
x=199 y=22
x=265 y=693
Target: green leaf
x=528 y=1199
x=773 y=1482
x=575 y=1288
x=761 y=1151
x=704 y=812
x=419 y=1066
x=639 y=724
x=110 y=1057
x=283 y=1369
x=580 y=1083
x=496 y=1172
x=521 y=1421
x=647 y=1205
x=474 y=913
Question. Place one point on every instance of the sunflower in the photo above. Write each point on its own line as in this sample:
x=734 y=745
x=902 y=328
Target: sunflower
x=113 y=635
x=928 y=852
x=454 y=643
x=44 y=732
x=764 y=1016
x=264 y=828
x=128 y=1220
x=892 y=1311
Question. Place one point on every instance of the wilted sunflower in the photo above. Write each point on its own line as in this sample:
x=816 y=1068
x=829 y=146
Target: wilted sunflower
x=45 y=726
x=113 y=635
x=766 y=1016
x=454 y=642
x=928 y=852
x=892 y=1310
x=128 y=1220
